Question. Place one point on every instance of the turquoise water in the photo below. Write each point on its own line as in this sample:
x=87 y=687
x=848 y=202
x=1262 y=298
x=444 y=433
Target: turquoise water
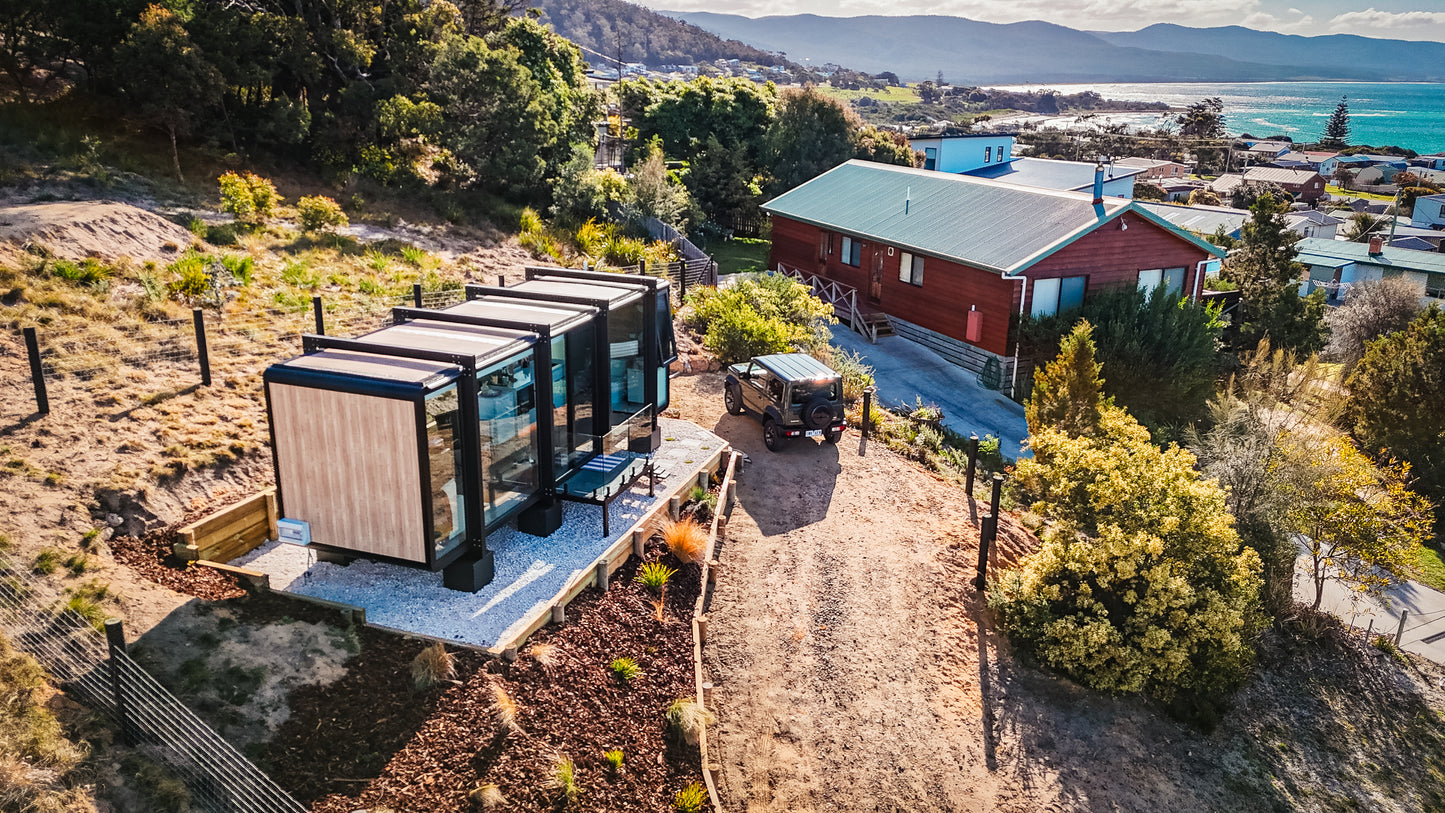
x=1407 y=115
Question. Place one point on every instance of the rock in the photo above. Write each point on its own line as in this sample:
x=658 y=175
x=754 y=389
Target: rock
x=114 y=520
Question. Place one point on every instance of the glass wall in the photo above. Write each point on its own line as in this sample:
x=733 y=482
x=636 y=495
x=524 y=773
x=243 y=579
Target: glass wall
x=444 y=449
x=667 y=346
x=573 y=395
x=507 y=409
x=624 y=335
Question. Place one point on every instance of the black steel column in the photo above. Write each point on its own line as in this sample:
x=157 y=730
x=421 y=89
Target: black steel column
x=416 y=294
x=320 y=321
x=546 y=463
x=198 y=316
x=972 y=463
x=37 y=371
x=650 y=353
x=470 y=417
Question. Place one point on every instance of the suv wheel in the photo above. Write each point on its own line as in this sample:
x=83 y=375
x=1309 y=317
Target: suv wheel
x=833 y=435
x=733 y=400
x=772 y=436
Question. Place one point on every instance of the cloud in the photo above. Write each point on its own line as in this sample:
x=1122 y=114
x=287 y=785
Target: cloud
x=1373 y=18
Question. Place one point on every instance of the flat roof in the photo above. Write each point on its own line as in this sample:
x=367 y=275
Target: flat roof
x=612 y=294
x=483 y=343
x=557 y=316
x=964 y=135
x=380 y=368
x=1046 y=173
x=796 y=366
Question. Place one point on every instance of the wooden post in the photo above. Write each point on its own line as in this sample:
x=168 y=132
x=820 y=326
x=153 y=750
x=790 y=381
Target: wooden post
x=707 y=694
x=199 y=318
x=416 y=294
x=994 y=498
x=559 y=613
x=674 y=507
x=272 y=515
x=602 y=575
x=320 y=322
x=714 y=571
x=682 y=282
x=702 y=629
x=115 y=643
x=639 y=542
x=972 y=463
x=989 y=527
x=37 y=372
x=1400 y=631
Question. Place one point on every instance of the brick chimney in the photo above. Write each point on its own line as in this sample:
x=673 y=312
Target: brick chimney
x=1377 y=245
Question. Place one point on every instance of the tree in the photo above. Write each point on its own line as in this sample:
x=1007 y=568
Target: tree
x=1394 y=401
x=717 y=184
x=1203 y=197
x=165 y=76
x=1372 y=309
x=656 y=193
x=1141 y=584
x=812 y=134
x=1269 y=281
x=1344 y=177
x=1203 y=119
x=1362 y=527
x=1337 y=129
x=1068 y=394
x=1143 y=190
x=1362 y=225
x=884 y=146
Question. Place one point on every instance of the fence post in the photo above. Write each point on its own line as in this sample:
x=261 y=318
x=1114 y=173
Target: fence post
x=37 y=372
x=1400 y=631
x=198 y=316
x=115 y=643
x=416 y=294
x=320 y=322
x=867 y=408
x=972 y=463
x=682 y=281
x=501 y=280
x=987 y=531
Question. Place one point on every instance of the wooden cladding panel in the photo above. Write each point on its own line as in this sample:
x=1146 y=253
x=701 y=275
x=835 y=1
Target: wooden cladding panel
x=348 y=465
x=1111 y=256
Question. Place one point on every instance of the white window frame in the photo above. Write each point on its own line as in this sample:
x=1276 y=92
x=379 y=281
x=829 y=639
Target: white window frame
x=851 y=247
x=1048 y=294
x=988 y=155
x=910 y=269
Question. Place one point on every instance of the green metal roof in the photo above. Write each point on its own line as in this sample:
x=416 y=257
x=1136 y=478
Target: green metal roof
x=983 y=223
x=1337 y=253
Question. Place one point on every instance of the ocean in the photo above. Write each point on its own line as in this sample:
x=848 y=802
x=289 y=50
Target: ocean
x=1401 y=114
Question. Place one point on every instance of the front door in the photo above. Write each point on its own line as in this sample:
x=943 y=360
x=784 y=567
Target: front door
x=875 y=282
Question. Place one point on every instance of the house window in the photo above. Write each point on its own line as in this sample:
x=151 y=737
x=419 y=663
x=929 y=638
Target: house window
x=910 y=269
x=987 y=154
x=930 y=158
x=1152 y=278
x=1053 y=296
x=852 y=252
x=1000 y=155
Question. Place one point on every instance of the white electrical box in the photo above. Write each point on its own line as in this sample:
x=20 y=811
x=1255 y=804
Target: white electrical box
x=294 y=531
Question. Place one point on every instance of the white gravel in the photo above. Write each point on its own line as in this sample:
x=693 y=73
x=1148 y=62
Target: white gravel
x=530 y=570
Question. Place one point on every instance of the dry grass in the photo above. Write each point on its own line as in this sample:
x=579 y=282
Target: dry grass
x=686 y=539
x=489 y=796
x=431 y=666
x=546 y=655
x=564 y=779
x=686 y=718
x=38 y=764
x=504 y=708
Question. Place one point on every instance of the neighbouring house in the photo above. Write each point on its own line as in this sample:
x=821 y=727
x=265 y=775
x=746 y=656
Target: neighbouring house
x=1392 y=161
x=1201 y=220
x=1293 y=160
x=1262 y=152
x=1402 y=228
x=1369 y=207
x=1379 y=175
x=1435 y=176
x=1064 y=176
x=1313 y=223
x=1180 y=190
x=414 y=441
x=1154 y=170
x=1329 y=166
x=1335 y=265
x=1413 y=244
x=1304 y=185
x=1429 y=212
x=954 y=261
x=1225 y=184
x=1436 y=161
x=966 y=152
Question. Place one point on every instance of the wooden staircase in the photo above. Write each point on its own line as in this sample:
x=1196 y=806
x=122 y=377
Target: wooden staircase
x=877 y=324
x=844 y=299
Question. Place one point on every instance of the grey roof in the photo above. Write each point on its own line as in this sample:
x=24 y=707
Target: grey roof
x=986 y=224
x=1142 y=163
x=1226 y=182
x=1412 y=243
x=797 y=366
x=1337 y=253
x=555 y=315
x=1046 y=173
x=483 y=343
x=1314 y=216
x=1199 y=219
x=599 y=292
x=1280 y=176
x=366 y=365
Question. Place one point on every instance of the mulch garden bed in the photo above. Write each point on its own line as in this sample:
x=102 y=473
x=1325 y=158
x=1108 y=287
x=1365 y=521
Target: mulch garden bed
x=151 y=557
x=371 y=740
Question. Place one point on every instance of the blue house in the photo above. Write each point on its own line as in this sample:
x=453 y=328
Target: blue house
x=1330 y=165
x=966 y=152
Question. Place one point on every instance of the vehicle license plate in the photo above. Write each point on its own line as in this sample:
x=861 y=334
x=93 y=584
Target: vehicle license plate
x=815 y=433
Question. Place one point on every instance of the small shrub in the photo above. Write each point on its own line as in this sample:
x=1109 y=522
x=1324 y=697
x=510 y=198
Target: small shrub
x=46 y=561
x=376 y=261
x=504 y=708
x=191 y=281
x=691 y=799
x=738 y=335
x=240 y=267
x=564 y=779
x=197 y=226
x=415 y=256
x=625 y=251
x=78 y=563
x=299 y=273
x=591 y=239
x=85 y=541
x=654 y=576
x=530 y=221
x=489 y=796
x=89 y=272
x=222 y=234
x=1386 y=644
x=686 y=539
x=704 y=502
x=686 y=718
x=432 y=666
x=540 y=244
x=371 y=287
x=249 y=197
x=54 y=478
x=319 y=213
x=626 y=669
x=614 y=760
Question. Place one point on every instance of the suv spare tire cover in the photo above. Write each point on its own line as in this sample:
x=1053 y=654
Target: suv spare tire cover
x=818 y=413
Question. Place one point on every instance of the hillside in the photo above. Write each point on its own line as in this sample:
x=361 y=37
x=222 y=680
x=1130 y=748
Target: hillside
x=1364 y=56
x=972 y=52
x=642 y=35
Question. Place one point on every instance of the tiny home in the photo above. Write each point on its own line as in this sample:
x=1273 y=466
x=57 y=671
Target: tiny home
x=413 y=442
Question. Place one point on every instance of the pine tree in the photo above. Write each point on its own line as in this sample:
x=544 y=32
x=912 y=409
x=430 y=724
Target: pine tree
x=1068 y=393
x=1337 y=131
x=1269 y=286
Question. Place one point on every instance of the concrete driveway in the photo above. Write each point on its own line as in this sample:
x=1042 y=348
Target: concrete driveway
x=905 y=371
x=1424 y=626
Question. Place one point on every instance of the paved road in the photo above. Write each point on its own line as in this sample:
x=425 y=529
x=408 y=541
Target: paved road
x=906 y=370
x=1426 y=608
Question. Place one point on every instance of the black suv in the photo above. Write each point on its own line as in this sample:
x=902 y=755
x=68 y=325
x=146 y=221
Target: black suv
x=796 y=395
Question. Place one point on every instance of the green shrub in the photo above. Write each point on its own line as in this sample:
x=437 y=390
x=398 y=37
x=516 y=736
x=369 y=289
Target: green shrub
x=191 y=280
x=529 y=222
x=46 y=561
x=759 y=314
x=625 y=251
x=223 y=234
x=626 y=669
x=249 y=197
x=691 y=799
x=654 y=576
x=299 y=273
x=414 y=256
x=740 y=334
x=240 y=266
x=591 y=239
x=89 y=271
x=319 y=213
x=197 y=226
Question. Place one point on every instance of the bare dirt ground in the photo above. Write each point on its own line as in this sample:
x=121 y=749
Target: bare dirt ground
x=857 y=671
x=78 y=229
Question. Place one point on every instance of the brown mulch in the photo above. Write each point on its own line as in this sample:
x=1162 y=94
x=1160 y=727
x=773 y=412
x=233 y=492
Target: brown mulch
x=151 y=558
x=370 y=740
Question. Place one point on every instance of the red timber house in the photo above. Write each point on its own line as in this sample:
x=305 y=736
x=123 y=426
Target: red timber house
x=954 y=262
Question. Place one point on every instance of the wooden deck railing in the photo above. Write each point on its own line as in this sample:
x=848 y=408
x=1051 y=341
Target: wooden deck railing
x=843 y=298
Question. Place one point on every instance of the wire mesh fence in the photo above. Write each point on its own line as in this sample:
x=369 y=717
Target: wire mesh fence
x=104 y=677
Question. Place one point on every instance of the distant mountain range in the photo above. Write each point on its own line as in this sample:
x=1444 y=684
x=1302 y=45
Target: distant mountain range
x=972 y=52
x=607 y=29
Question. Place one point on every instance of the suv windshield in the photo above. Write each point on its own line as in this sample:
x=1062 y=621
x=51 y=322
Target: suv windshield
x=804 y=391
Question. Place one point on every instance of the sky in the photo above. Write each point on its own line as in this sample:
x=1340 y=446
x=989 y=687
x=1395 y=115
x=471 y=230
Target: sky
x=1405 y=20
